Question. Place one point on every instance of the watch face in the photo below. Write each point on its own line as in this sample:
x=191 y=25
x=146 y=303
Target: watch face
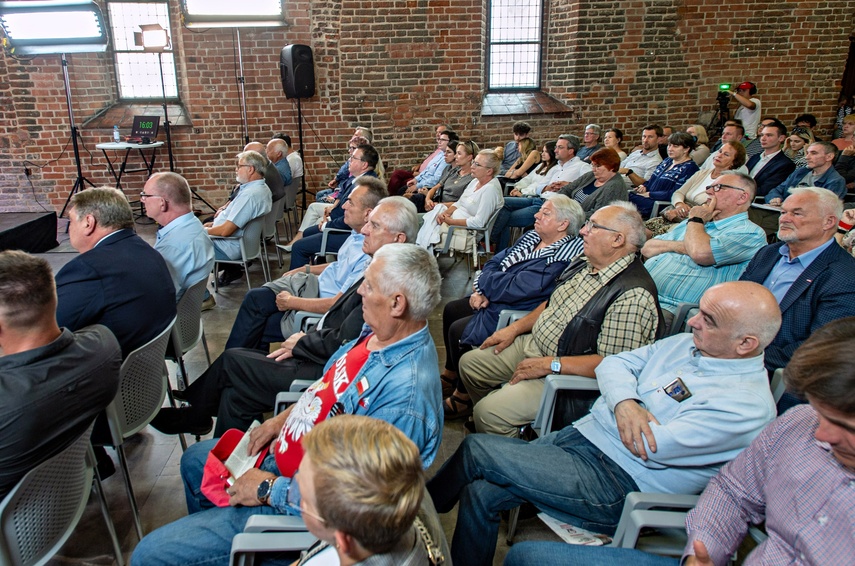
x=263 y=490
x=556 y=366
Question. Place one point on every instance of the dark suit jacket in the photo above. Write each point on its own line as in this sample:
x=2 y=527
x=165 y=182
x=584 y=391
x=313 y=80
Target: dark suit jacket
x=824 y=292
x=122 y=283
x=773 y=174
x=343 y=323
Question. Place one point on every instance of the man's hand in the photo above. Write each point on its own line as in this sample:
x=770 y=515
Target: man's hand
x=293 y=271
x=701 y=557
x=531 y=368
x=554 y=186
x=262 y=435
x=849 y=216
x=706 y=211
x=286 y=351
x=501 y=339
x=282 y=300
x=245 y=489
x=478 y=301
x=775 y=202
x=633 y=423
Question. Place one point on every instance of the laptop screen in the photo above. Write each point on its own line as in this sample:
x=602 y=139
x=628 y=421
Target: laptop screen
x=145 y=127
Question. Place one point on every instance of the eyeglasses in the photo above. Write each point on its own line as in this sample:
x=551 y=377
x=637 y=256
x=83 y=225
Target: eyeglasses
x=590 y=225
x=242 y=165
x=443 y=139
x=720 y=186
x=359 y=159
x=144 y=196
x=476 y=164
x=294 y=500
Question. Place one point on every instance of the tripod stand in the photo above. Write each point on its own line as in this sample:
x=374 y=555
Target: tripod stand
x=79 y=183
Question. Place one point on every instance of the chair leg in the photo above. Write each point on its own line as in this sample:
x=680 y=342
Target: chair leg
x=216 y=278
x=173 y=404
x=108 y=520
x=123 y=462
x=246 y=272
x=182 y=373
x=277 y=243
x=513 y=517
x=205 y=345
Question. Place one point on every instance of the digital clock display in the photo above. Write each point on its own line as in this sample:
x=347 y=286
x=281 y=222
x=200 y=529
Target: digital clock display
x=145 y=126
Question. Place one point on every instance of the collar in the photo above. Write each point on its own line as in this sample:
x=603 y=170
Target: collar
x=111 y=234
x=610 y=271
x=182 y=220
x=806 y=258
x=29 y=357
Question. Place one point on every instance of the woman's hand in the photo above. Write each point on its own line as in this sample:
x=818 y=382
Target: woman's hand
x=515 y=193
x=429 y=204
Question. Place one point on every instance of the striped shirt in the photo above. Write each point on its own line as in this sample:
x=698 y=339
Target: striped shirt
x=793 y=482
x=630 y=321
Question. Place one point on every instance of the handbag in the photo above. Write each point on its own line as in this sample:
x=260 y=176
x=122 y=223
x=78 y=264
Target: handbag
x=215 y=475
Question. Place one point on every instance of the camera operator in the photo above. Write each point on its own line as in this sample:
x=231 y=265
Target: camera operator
x=749 y=109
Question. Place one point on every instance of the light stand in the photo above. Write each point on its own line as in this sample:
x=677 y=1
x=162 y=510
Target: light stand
x=56 y=27
x=154 y=39
x=166 y=114
x=241 y=80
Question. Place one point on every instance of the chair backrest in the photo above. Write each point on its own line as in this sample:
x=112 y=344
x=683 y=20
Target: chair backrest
x=39 y=514
x=777 y=384
x=291 y=190
x=271 y=217
x=188 y=323
x=684 y=312
x=142 y=388
x=250 y=241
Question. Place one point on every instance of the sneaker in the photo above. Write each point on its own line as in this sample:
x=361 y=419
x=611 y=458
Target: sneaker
x=209 y=303
x=286 y=249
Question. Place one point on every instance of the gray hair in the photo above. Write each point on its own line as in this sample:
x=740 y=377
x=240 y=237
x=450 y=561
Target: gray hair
x=256 y=160
x=254 y=146
x=597 y=130
x=365 y=133
x=174 y=187
x=411 y=270
x=746 y=182
x=567 y=209
x=493 y=161
x=402 y=216
x=829 y=203
x=278 y=145
x=107 y=205
x=574 y=141
x=630 y=222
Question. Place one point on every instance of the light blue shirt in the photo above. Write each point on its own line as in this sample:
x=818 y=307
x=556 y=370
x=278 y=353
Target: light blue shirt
x=188 y=251
x=786 y=271
x=734 y=241
x=253 y=200
x=430 y=176
x=729 y=406
x=284 y=169
x=346 y=270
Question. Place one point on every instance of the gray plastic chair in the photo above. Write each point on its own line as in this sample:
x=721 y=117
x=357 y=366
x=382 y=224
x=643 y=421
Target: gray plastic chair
x=482 y=231
x=143 y=383
x=41 y=512
x=250 y=248
x=270 y=232
x=189 y=330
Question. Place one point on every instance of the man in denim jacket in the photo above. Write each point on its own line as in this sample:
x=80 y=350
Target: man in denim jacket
x=390 y=372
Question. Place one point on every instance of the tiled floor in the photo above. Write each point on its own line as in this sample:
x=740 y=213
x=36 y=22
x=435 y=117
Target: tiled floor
x=154 y=457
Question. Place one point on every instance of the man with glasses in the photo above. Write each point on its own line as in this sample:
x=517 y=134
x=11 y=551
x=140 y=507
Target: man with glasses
x=669 y=416
x=428 y=173
x=590 y=142
x=181 y=239
x=713 y=245
x=253 y=200
x=605 y=303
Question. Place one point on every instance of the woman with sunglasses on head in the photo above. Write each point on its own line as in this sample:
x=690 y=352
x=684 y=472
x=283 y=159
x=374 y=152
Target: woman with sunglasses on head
x=796 y=145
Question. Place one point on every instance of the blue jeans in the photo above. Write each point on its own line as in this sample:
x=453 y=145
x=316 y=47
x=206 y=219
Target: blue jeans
x=306 y=247
x=257 y=321
x=518 y=212
x=205 y=536
x=562 y=474
x=532 y=553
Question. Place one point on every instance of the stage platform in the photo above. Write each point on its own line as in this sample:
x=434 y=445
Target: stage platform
x=33 y=232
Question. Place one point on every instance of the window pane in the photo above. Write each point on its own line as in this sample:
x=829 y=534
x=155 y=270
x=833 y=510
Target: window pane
x=137 y=72
x=514 y=44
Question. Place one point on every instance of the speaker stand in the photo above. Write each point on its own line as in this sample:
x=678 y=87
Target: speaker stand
x=300 y=136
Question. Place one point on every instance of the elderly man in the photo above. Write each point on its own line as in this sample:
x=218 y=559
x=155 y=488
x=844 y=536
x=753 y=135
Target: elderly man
x=713 y=245
x=519 y=211
x=53 y=381
x=670 y=415
x=362 y=162
x=181 y=239
x=295 y=160
x=118 y=280
x=242 y=384
x=809 y=274
x=770 y=167
x=604 y=304
x=273 y=178
x=389 y=372
x=253 y=200
x=796 y=477
x=590 y=142
x=277 y=152
x=639 y=165
x=316 y=288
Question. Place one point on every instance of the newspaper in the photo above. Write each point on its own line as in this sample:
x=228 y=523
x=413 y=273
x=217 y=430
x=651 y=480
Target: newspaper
x=573 y=535
x=239 y=461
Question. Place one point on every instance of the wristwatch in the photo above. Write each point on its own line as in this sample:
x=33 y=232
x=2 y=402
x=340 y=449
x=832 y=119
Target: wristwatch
x=697 y=219
x=628 y=172
x=264 y=488
x=555 y=366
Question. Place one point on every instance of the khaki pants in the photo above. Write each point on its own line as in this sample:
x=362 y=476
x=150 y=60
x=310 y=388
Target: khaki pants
x=501 y=410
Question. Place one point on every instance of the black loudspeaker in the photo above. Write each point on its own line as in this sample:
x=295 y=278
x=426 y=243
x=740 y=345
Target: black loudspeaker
x=298 y=71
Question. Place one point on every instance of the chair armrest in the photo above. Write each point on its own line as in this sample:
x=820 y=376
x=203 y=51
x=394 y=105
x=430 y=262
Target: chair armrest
x=640 y=519
x=305 y=318
x=299 y=385
x=224 y=237
x=657 y=205
x=509 y=316
x=552 y=385
x=246 y=545
x=274 y=523
x=639 y=501
x=283 y=399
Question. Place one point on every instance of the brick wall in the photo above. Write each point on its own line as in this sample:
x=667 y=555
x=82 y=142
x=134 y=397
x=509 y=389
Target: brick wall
x=401 y=66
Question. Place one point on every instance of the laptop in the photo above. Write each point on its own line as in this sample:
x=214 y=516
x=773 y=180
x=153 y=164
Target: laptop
x=145 y=127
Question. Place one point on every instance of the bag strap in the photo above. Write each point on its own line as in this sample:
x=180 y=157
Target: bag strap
x=434 y=551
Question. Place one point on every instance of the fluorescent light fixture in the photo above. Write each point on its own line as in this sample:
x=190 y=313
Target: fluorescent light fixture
x=40 y=28
x=152 y=37
x=229 y=13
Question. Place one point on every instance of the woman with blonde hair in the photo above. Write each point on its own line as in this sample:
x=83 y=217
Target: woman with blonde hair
x=702 y=150
x=528 y=160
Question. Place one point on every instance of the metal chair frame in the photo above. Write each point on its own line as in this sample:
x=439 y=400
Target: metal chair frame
x=250 y=248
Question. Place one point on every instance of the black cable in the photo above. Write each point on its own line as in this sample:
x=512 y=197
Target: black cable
x=35 y=198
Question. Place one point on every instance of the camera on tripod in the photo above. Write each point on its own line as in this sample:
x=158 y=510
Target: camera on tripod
x=723 y=96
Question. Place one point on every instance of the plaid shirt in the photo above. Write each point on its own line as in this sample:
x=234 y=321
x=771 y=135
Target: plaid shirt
x=630 y=321
x=793 y=482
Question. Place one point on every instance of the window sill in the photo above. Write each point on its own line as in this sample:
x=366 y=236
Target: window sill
x=524 y=103
x=122 y=114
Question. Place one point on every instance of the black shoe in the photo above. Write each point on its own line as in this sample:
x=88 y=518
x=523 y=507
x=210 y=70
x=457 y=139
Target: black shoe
x=182 y=420
x=228 y=275
x=179 y=395
x=106 y=467
x=469 y=425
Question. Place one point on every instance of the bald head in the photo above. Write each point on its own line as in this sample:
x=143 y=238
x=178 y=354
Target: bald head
x=254 y=146
x=737 y=319
x=276 y=150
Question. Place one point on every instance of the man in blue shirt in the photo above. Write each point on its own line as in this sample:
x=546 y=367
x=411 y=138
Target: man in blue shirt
x=819 y=172
x=670 y=415
x=181 y=239
x=277 y=151
x=810 y=275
